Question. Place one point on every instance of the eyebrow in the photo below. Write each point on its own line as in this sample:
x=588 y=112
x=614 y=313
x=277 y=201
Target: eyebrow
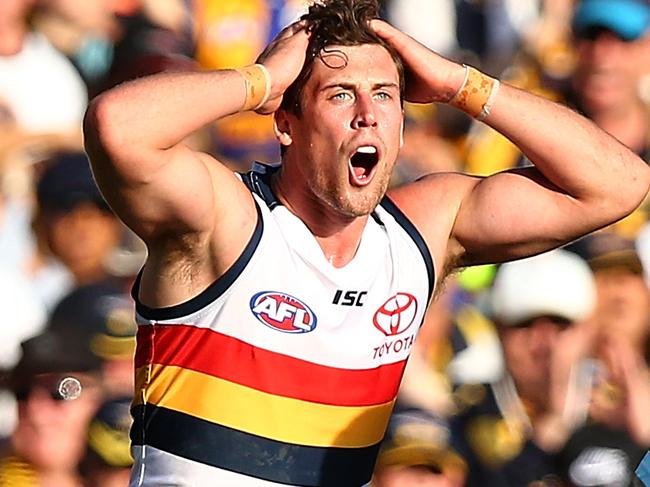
x=351 y=86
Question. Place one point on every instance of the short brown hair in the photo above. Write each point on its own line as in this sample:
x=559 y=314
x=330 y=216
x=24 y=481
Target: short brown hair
x=342 y=23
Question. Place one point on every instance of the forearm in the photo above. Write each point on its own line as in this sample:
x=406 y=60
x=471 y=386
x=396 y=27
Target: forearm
x=571 y=152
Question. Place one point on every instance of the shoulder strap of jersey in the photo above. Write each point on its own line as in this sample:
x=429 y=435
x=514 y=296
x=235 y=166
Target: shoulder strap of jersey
x=410 y=229
x=258 y=181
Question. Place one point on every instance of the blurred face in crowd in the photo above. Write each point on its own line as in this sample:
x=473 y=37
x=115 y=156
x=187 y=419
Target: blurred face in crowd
x=528 y=350
x=13 y=25
x=421 y=476
x=82 y=237
x=14 y=11
x=608 y=70
x=108 y=477
x=51 y=433
x=92 y=15
x=623 y=305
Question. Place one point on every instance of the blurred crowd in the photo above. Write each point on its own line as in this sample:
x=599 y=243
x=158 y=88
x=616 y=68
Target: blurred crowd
x=532 y=373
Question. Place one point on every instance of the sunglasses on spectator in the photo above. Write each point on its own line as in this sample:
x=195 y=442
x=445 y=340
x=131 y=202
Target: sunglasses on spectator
x=559 y=321
x=594 y=32
x=60 y=387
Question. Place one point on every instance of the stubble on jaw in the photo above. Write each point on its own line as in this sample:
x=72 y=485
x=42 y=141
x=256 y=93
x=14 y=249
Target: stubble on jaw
x=351 y=201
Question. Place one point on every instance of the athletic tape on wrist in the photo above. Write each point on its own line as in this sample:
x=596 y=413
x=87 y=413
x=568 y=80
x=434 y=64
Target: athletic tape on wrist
x=476 y=95
x=258 y=86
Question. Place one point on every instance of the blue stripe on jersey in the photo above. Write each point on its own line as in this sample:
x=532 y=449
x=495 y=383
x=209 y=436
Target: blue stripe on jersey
x=222 y=447
x=258 y=181
x=388 y=205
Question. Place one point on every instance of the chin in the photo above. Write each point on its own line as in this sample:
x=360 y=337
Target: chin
x=362 y=204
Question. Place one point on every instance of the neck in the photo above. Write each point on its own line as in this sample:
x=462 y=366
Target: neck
x=337 y=235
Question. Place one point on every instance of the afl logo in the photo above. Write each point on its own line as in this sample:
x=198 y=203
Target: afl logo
x=283 y=312
x=396 y=315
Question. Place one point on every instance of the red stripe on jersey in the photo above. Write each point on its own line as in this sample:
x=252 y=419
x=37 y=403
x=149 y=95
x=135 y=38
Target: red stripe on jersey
x=228 y=358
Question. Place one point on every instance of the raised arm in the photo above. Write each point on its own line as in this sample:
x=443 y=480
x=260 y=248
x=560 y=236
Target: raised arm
x=134 y=135
x=583 y=179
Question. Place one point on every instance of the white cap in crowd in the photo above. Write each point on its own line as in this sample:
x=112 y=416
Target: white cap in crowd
x=556 y=283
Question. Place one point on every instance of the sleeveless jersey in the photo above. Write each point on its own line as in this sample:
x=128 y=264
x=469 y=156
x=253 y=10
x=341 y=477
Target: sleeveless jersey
x=285 y=370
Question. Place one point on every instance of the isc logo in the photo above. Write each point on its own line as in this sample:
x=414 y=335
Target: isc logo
x=350 y=298
x=283 y=312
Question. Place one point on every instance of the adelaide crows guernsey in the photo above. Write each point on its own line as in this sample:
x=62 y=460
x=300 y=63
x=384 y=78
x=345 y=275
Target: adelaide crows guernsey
x=285 y=370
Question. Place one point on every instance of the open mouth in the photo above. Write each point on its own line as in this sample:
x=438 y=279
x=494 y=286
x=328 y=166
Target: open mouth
x=362 y=164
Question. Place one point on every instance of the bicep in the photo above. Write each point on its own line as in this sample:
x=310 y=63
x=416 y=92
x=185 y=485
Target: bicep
x=160 y=192
x=514 y=214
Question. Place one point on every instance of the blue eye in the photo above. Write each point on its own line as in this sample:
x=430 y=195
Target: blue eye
x=384 y=96
x=342 y=96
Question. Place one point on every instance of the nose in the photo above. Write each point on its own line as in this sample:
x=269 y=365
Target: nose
x=604 y=44
x=544 y=333
x=364 y=116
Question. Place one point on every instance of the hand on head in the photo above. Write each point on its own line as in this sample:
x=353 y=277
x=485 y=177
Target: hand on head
x=284 y=58
x=430 y=77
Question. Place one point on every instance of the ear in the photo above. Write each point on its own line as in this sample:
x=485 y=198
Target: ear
x=282 y=127
x=401 y=134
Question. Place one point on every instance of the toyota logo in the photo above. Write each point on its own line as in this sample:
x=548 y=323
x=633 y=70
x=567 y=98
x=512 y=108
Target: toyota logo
x=396 y=315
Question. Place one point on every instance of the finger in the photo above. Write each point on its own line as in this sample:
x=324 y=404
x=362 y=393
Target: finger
x=405 y=45
x=383 y=29
x=270 y=106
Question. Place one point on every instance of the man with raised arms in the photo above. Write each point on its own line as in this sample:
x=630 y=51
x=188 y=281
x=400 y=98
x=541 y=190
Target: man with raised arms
x=277 y=308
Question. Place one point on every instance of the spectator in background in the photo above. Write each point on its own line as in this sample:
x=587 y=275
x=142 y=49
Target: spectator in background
x=103 y=315
x=613 y=54
x=510 y=437
x=108 y=460
x=42 y=101
x=415 y=452
x=106 y=41
x=607 y=448
x=76 y=231
x=612 y=43
x=40 y=92
x=84 y=31
x=49 y=439
x=89 y=337
x=623 y=306
x=231 y=34
x=23 y=317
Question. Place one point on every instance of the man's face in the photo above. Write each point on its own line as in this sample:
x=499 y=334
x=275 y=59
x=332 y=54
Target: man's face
x=346 y=140
x=608 y=70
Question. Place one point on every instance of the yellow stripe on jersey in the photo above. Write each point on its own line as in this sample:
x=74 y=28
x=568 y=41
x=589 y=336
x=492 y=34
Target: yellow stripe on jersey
x=274 y=417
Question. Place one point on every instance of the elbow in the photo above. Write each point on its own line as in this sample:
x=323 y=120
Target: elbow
x=637 y=189
x=102 y=136
x=624 y=191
